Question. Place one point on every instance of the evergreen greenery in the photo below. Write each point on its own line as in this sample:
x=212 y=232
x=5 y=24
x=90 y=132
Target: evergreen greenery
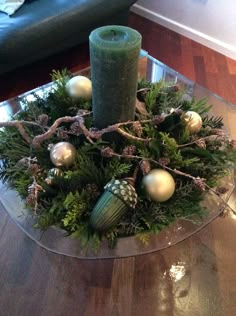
x=69 y=201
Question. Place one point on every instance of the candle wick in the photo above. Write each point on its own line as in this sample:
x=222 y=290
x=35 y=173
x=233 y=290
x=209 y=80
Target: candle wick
x=114 y=34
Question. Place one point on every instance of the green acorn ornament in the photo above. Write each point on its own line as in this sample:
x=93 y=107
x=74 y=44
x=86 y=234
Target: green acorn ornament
x=118 y=197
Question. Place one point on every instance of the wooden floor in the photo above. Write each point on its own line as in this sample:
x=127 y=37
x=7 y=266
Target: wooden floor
x=194 y=278
x=199 y=63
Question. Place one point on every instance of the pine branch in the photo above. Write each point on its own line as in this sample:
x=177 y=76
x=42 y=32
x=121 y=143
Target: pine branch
x=197 y=180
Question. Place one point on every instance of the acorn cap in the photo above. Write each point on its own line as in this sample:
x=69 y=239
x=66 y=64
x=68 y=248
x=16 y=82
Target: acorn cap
x=123 y=190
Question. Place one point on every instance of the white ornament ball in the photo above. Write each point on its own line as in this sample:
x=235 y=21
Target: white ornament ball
x=80 y=87
x=159 y=185
x=63 y=154
x=193 y=121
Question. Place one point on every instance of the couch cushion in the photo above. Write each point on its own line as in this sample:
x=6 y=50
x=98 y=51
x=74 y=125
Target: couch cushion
x=41 y=27
x=10 y=6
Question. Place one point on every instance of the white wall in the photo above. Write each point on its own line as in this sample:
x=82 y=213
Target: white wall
x=210 y=22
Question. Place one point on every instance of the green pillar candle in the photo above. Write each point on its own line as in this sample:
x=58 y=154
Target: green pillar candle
x=114 y=55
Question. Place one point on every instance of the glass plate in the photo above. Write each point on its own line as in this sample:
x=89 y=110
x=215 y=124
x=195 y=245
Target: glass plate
x=56 y=240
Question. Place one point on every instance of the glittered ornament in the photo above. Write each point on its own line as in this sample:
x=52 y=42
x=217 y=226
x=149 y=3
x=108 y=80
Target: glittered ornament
x=55 y=172
x=80 y=87
x=159 y=185
x=63 y=154
x=52 y=174
x=193 y=121
x=118 y=197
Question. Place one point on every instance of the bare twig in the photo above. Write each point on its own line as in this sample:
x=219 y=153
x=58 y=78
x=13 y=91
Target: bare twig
x=40 y=138
x=20 y=126
x=218 y=195
x=199 y=139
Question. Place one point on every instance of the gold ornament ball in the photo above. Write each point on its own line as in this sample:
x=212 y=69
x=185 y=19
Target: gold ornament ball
x=80 y=87
x=193 y=121
x=159 y=184
x=63 y=154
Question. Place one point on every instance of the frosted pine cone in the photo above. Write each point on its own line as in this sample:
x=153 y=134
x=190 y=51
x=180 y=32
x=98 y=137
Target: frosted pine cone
x=107 y=152
x=43 y=119
x=174 y=88
x=33 y=168
x=158 y=119
x=62 y=134
x=137 y=128
x=222 y=190
x=200 y=183
x=233 y=143
x=30 y=200
x=218 y=132
x=164 y=161
x=201 y=143
x=129 y=150
x=75 y=128
x=145 y=166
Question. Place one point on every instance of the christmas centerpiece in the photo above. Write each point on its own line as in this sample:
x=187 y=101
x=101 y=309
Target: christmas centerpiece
x=111 y=156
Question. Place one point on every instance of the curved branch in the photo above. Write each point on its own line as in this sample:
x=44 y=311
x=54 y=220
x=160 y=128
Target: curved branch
x=90 y=135
x=40 y=138
x=20 y=127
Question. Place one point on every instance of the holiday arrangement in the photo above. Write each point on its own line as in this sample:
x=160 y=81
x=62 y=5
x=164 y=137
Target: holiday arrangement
x=112 y=156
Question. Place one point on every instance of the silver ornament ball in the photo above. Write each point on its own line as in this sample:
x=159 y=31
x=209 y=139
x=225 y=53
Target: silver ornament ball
x=63 y=154
x=159 y=185
x=80 y=87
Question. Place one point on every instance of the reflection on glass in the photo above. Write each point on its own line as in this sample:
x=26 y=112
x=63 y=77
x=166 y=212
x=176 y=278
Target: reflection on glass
x=177 y=271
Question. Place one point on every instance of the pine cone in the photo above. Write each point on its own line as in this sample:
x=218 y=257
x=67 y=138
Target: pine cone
x=92 y=189
x=75 y=128
x=142 y=93
x=233 y=143
x=62 y=134
x=137 y=128
x=145 y=166
x=164 y=161
x=200 y=184
x=174 y=88
x=158 y=119
x=218 y=132
x=23 y=162
x=30 y=200
x=107 y=152
x=201 y=143
x=129 y=150
x=43 y=119
x=222 y=190
x=33 y=168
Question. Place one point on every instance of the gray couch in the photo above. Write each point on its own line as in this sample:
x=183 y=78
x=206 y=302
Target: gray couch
x=41 y=28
